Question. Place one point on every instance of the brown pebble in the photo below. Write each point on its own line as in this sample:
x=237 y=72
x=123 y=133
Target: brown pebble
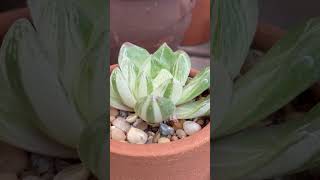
x=200 y=122
x=180 y=133
x=150 y=140
x=112 y=118
x=174 y=138
x=163 y=140
x=156 y=137
x=113 y=112
x=177 y=125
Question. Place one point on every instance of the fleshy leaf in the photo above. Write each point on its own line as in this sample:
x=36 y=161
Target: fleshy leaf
x=153 y=109
x=93 y=148
x=162 y=77
x=132 y=54
x=235 y=24
x=47 y=95
x=288 y=69
x=144 y=85
x=121 y=86
x=16 y=113
x=193 y=109
x=196 y=86
x=181 y=67
x=164 y=56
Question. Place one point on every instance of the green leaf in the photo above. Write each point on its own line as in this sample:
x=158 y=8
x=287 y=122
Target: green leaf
x=235 y=24
x=182 y=66
x=132 y=54
x=288 y=69
x=93 y=148
x=162 y=77
x=164 y=56
x=16 y=114
x=121 y=86
x=154 y=109
x=144 y=85
x=263 y=153
x=196 y=86
x=223 y=91
x=47 y=95
x=193 y=109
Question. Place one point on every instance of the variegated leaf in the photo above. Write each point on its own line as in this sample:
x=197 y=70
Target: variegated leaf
x=153 y=109
x=193 y=109
x=115 y=100
x=162 y=77
x=181 y=67
x=121 y=87
x=144 y=85
x=196 y=86
x=132 y=54
x=164 y=56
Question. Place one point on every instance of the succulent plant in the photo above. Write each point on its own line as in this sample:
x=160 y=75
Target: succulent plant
x=52 y=78
x=243 y=147
x=157 y=86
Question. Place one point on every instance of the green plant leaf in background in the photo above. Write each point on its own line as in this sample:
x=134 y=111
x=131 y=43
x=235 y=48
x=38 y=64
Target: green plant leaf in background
x=288 y=69
x=235 y=24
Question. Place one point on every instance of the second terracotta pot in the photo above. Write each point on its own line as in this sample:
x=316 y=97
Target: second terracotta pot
x=148 y=23
x=185 y=159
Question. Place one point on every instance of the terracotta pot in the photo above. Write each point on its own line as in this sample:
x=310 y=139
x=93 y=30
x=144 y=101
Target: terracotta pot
x=185 y=159
x=199 y=29
x=148 y=23
x=8 y=18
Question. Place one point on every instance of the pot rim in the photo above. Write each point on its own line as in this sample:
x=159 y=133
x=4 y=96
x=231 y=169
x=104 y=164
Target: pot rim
x=168 y=149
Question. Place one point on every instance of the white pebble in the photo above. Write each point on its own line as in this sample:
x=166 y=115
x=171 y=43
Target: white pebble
x=117 y=134
x=180 y=133
x=122 y=124
x=137 y=136
x=191 y=127
x=163 y=140
x=131 y=118
x=112 y=118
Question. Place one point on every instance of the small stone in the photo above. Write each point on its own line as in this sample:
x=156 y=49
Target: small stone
x=174 y=138
x=131 y=118
x=166 y=130
x=140 y=124
x=137 y=136
x=122 y=124
x=177 y=124
x=42 y=164
x=156 y=137
x=114 y=112
x=75 y=172
x=60 y=164
x=150 y=133
x=8 y=176
x=123 y=114
x=117 y=134
x=12 y=159
x=180 y=133
x=150 y=140
x=112 y=118
x=200 y=122
x=163 y=140
x=191 y=127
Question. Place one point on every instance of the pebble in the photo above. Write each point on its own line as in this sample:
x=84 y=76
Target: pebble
x=61 y=164
x=137 y=136
x=123 y=114
x=117 y=134
x=75 y=172
x=174 y=138
x=113 y=112
x=177 y=124
x=140 y=124
x=166 y=130
x=122 y=124
x=112 y=118
x=163 y=140
x=150 y=140
x=12 y=159
x=180 y=133
x=131 y=118
x=156 y=137
x=191 y=127
x=150 y=133
x=42 y=164
x=200 y=122
x=8 y=176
